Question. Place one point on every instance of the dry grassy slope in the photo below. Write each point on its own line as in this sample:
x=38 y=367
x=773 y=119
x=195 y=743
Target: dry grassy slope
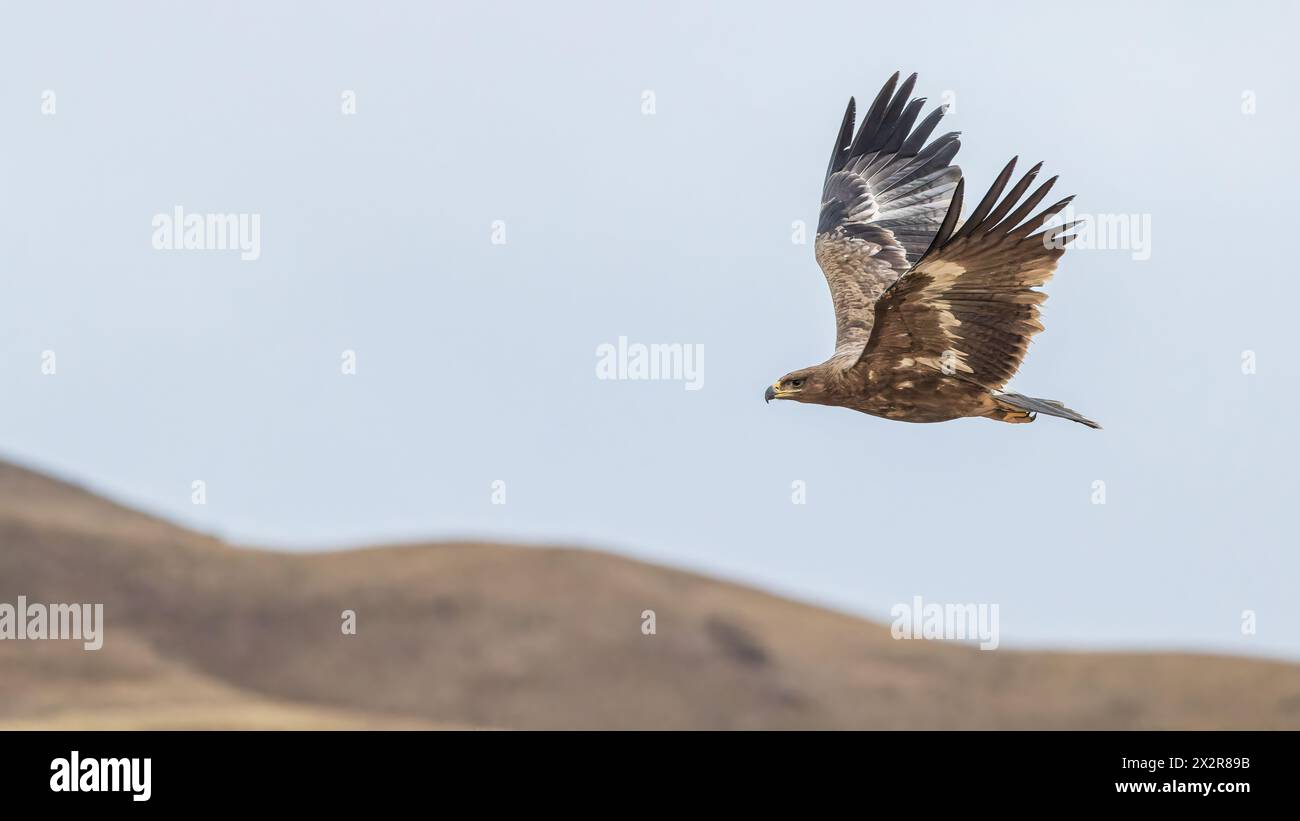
x=200 y=634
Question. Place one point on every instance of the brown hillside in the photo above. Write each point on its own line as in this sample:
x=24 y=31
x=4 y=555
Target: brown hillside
x=201 y=634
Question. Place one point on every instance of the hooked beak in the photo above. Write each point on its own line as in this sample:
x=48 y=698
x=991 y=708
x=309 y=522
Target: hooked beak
x=769 y=394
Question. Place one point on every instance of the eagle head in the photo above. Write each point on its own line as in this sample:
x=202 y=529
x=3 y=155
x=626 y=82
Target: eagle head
x=806 y=385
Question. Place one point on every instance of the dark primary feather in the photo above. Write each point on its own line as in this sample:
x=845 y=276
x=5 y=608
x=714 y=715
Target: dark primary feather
x=884 y=197
x=970 y=303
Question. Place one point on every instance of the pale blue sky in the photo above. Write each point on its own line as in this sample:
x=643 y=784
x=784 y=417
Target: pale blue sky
x=476 y=361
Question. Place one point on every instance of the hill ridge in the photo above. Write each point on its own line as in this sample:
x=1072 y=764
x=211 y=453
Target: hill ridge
x=460 y=634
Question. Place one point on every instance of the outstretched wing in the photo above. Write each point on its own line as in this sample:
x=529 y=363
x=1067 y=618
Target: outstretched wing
x=884 y=198
x=969 y=306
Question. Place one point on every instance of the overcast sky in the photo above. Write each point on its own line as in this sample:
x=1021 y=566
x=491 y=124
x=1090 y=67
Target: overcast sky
x=662 y=217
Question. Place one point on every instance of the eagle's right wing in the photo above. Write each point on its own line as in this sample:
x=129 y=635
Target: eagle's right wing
x=970 y=306
x=884 y=198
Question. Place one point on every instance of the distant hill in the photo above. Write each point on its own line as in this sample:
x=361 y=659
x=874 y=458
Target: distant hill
x=201 y=634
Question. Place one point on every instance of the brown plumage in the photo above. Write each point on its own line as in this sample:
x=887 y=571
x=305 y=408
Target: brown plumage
x=931 y=320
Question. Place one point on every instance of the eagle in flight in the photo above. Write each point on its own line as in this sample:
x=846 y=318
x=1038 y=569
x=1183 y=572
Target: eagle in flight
x=933 y=314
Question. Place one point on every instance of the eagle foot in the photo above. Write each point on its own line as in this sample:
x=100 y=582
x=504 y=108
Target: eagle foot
x=1016 y=417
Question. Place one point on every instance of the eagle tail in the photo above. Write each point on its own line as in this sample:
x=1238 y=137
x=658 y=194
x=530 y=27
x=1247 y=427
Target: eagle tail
x=1023 y=405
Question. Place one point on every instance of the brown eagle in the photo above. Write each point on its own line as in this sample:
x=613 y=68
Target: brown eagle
x=932 y=317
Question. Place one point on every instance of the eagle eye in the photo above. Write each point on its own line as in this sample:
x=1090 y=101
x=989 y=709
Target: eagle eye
x=796 y=383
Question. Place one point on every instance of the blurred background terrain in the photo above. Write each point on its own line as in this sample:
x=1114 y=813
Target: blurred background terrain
x=202 y=634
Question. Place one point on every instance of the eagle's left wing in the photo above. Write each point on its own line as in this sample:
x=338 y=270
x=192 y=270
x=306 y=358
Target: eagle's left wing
x=885 y=195
x=969 y=306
